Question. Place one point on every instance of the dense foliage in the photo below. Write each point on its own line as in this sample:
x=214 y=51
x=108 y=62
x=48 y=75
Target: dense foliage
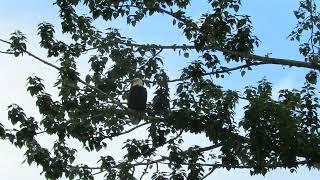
x=273 y=133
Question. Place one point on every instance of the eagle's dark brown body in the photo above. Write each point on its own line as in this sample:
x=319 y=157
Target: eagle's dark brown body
x=137 y=98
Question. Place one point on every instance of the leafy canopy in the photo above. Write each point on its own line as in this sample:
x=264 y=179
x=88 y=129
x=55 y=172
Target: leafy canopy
x=272 y=133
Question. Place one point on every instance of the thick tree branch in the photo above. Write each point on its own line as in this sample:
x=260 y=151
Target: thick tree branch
x=264 y=59
x=270 y=60
x=208 y=148
x=219 y=165
x=253 y=57
x=249 y=56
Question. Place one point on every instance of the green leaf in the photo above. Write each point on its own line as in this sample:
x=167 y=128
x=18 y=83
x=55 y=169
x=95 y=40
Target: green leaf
x=243 y=73
x=180 y=24
x=311 y=77
x=236 y=7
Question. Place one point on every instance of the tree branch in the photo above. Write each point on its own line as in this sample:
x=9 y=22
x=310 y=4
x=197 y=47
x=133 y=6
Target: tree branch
x=4 y=52
x=180 y=18
x=145 y=171
x=219 y=165
x=270 y=60
x=213 y=166
x=175 y=138
x=227 y=70
x=253 y=57
x=208 y=148
x=83 y=82
x=78 y=78
x=149 y=162
x=128 y=131
x=208 y=174
x=167 y=158
x=266 y=60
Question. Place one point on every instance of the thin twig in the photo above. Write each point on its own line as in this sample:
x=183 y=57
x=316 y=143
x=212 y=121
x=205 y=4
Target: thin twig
x=128 y=131
x=176 y=137
x=4 y=52
x=208 y=174
x=145 y=171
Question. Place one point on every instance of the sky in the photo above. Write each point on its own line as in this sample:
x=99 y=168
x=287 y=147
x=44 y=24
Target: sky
x=272 y=20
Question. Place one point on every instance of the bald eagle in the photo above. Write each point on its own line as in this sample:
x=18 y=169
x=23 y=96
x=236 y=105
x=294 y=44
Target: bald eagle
x=137 y=99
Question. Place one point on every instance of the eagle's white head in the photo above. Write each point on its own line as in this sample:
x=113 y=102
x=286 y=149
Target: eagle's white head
x=137 y=82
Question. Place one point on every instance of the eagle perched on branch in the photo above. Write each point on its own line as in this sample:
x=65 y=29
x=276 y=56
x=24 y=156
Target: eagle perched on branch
x=137 y=100
x=137 y=96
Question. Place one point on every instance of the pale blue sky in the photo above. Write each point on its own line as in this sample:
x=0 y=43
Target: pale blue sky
x=272 y=19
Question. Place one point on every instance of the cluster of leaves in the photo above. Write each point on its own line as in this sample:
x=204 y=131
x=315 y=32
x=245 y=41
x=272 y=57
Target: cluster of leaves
x=289 y=133
x=272 y=133
x=308 y=20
